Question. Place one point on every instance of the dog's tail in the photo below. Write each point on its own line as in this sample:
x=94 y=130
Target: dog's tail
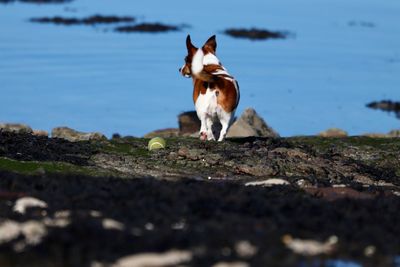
x=211 y=72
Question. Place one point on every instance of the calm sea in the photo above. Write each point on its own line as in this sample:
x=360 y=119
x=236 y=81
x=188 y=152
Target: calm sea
x=342 y=54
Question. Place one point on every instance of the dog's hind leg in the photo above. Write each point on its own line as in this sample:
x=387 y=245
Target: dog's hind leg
x=203 y=128
x=225 y=118
x=210 y=134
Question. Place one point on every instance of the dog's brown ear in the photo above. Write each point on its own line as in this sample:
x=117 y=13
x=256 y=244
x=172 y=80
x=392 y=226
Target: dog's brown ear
x=211 y=44
x=190 y=47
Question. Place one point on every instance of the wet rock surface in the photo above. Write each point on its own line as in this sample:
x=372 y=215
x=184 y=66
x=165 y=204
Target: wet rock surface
x=188 y=204
x=26 y=147
x=256 y=34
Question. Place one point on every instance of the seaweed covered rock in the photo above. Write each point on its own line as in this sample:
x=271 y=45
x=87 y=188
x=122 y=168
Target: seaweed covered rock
x=115 y=202
x=333 y=132
x=15 y=128
x=75 y=136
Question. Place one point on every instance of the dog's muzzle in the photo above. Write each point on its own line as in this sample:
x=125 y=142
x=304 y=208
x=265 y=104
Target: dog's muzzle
x=184 y=74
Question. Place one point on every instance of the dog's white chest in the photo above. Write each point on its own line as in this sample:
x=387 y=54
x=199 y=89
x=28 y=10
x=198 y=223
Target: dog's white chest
x=207 y=103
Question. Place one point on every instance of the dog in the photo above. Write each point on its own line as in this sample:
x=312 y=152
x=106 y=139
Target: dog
x=216 y=93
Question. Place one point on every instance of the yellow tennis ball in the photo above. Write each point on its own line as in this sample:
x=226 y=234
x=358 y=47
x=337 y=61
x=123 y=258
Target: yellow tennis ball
x=156 y=143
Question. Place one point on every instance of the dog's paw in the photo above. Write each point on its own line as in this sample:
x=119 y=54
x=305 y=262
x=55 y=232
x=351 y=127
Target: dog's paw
x=203 y=136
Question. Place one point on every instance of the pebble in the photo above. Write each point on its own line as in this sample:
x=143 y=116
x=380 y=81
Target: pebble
x=149 y=226
x=369 y=251
x=23 y=203
x=302 y=183
x=33 y=232
x=169 y=258
x=231 y=264
x=112 y=224
x=307 y=247
x=268 y=182
x=9 y=230
x=245 y=249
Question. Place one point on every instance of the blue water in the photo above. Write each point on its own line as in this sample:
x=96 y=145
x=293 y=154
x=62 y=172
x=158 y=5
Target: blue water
x=342 y=263
x=330 y=263
x=93 y=79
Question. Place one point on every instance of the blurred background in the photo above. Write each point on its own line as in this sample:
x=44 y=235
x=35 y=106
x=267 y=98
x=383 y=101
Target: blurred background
x=339 y=55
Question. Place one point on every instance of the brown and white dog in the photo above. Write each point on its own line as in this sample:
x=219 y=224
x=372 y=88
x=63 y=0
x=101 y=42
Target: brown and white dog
x=216 y=93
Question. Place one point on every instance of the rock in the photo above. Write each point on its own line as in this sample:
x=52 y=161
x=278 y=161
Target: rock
x=60 y=222
x=307 y=247
x=116 y=136
x=369 y=251
x=290 y=153
x=258 y=170
x=188 y=122
x=333 y=132
x=28 y=202
x=394 y=133
x=112 y=224
x=250 y=124
x=9 y=230
x=268 y=182
x=40 y=133
x=303 y=183
x=245 y=249
x=33 y=232
x=15 y=127
x=75 y=136
x=213 y=159
x=335 y=193
x=376 y=135
x=168 y=258
x=365 y=180
x=191 y=154
x=165 y=133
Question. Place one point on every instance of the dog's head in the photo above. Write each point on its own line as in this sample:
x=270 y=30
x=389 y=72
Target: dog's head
x=208 y=48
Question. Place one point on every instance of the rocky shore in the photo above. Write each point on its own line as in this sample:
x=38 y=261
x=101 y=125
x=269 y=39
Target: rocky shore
x=249 y=201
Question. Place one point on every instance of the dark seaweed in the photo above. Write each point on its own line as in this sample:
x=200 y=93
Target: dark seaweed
x=256 y=34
